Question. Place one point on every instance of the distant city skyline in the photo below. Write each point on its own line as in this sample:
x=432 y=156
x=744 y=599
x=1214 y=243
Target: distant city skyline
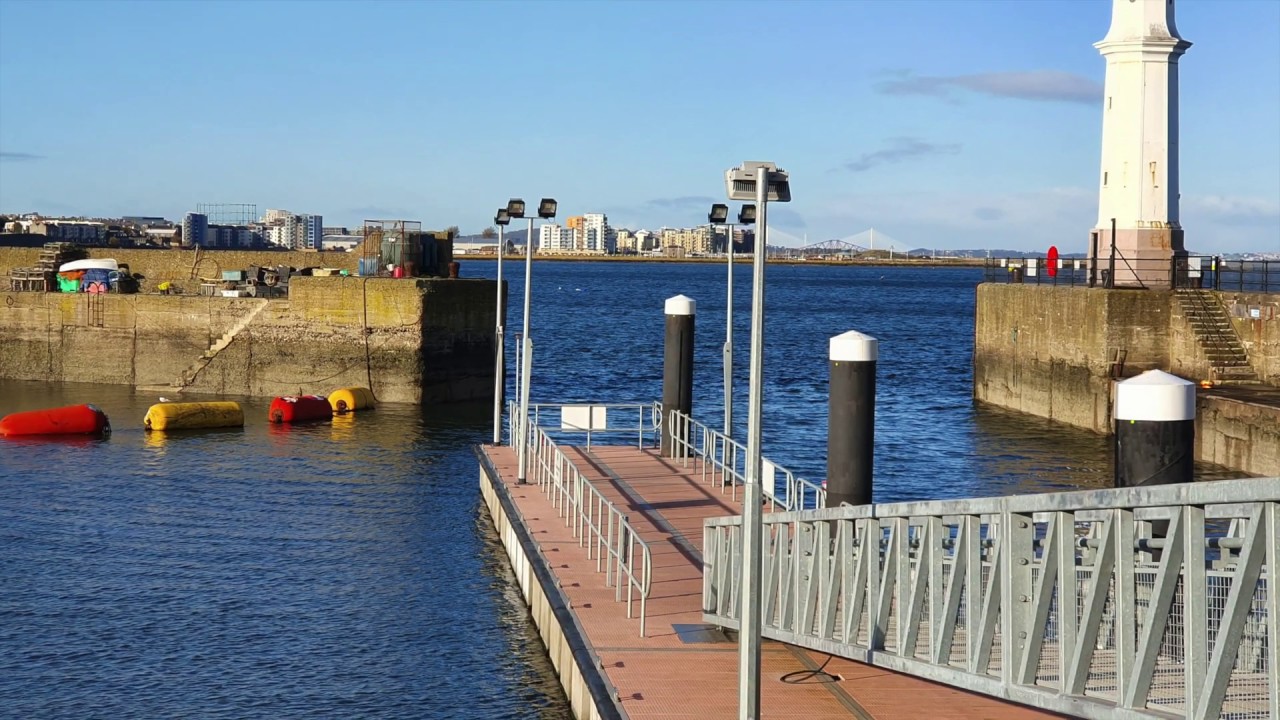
x=947 y=124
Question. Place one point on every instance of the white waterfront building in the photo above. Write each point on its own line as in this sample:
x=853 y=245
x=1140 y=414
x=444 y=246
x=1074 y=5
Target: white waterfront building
x=554 y=238
x=597 y=236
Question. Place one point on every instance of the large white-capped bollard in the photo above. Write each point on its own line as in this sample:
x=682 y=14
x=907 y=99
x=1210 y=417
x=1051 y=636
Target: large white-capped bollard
x=1155 y=430
x=851 y=418
x=677 y=367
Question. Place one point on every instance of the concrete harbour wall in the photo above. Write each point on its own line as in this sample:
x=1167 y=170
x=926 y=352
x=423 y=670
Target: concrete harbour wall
x=1056 y=352
x=177 y=266
x=419 y=340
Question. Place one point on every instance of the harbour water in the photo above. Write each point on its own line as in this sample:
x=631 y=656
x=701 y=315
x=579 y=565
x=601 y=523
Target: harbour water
x=346 y=569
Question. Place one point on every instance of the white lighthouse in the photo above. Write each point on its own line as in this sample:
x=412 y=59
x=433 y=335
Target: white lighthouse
x=1139 y=175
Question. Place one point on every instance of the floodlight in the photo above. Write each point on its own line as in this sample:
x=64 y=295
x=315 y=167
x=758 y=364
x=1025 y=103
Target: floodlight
x=741 y=182
x=502 y=218
x=719 y=214
x=547 y=209
x=515 y=208
x=747 y=215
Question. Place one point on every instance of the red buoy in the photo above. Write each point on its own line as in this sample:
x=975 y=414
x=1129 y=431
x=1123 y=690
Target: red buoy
x=69 y=420
x=301 y=408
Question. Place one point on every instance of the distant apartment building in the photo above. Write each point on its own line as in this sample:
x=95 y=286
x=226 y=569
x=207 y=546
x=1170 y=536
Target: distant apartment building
x=335 y=231
x=81 y=232
x=556 y=239
x=694 y=241
x=626 y=242
x=597 y=236
x=228 y=236
x=296 y=232
x=647 y=241
x=195 y=229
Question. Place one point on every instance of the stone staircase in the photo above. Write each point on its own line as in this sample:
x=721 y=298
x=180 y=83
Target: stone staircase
x=1228 y=360
x=189 y=375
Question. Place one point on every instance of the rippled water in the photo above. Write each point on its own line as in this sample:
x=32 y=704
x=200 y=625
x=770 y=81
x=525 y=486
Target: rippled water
x=336 y=570
x=346 y=569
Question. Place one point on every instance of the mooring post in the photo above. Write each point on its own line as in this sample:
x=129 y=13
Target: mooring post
x=1155 y=423
x=851 y=418
x=677 y=370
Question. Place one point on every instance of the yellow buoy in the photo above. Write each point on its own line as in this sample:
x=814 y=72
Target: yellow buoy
x=350 y=399
x=194 y=415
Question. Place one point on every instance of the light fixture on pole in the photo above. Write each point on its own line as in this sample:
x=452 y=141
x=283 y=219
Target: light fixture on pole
x=501 y=219
x=761 y=181
x=719 y=215
x=546 y=211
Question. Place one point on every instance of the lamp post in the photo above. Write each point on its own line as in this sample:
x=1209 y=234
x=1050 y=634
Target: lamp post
x=546 y=211
x=761 y=181
x=718 y=216
x=500 y=363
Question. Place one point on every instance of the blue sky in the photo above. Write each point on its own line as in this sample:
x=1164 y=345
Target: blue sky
x=947 y=124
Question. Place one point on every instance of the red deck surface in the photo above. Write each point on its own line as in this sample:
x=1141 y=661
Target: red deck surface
x=662 y=676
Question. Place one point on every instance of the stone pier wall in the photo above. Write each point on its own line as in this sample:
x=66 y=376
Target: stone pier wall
x=1056 y=352
x=420 y=340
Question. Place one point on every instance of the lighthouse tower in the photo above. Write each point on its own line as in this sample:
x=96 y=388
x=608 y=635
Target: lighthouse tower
x=1139 y=176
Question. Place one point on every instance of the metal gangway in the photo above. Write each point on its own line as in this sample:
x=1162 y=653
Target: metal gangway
x=1168 y=589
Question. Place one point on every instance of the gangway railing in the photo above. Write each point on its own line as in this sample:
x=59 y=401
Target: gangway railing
x=641 y=421
x=599 y=525
x=724 y=463
x=1172 y=609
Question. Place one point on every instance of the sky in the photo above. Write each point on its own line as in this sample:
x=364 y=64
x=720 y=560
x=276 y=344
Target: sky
x=941 y=123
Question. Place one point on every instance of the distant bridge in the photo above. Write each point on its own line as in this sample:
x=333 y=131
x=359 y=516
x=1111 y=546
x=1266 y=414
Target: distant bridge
x=785 y=244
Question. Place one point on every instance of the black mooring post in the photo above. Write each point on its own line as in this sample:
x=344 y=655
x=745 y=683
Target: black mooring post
x=1155 y=423
x=851 y=419
x=677 y=370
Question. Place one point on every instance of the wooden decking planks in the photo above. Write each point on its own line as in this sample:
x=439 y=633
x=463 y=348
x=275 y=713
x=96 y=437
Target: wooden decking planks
x=662 y=675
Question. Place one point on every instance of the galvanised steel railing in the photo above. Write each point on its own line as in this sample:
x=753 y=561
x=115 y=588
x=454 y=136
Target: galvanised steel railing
x=1172 y=607
x=724 y=463
x=598 y=524
x=642 y=420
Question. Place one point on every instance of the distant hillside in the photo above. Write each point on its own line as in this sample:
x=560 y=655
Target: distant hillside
x=512 y=236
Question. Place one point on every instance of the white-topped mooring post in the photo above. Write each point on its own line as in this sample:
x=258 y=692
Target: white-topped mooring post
x=1155 y=423
x=851 y=418
x=677 y=369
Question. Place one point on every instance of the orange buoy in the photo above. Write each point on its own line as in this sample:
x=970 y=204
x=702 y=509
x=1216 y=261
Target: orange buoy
x=69 y=420
x=300 y=408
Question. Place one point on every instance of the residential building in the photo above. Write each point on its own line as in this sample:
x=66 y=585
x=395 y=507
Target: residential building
x=335 y=231
x=195 y=229
x=296 y=232
x=597 y=236
x=626 y=242
x=553 y=238
x=646 y=241
x=228 y=236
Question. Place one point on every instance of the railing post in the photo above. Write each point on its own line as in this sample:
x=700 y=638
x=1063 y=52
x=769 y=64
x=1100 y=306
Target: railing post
x=1016 y=556
x=677 y=368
